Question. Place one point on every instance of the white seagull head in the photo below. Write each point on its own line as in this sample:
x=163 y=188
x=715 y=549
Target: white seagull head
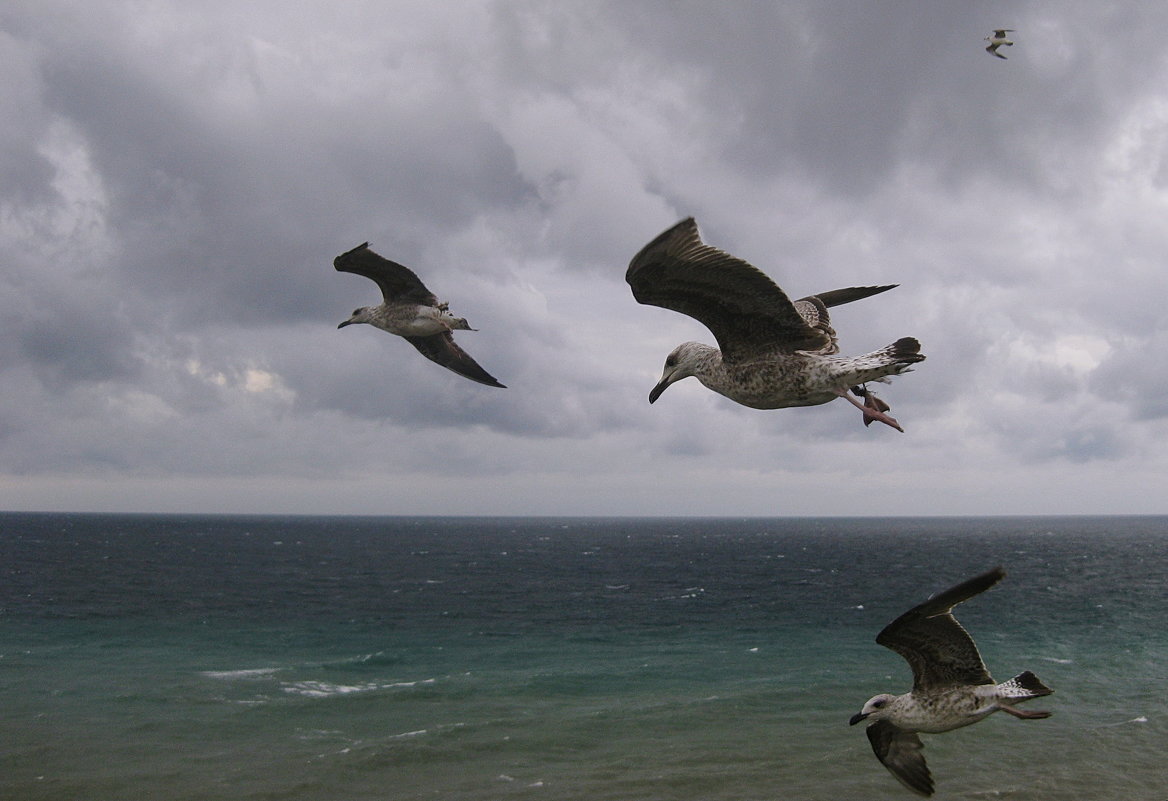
x=875 y=709
x=361 y=315
x=686 y=360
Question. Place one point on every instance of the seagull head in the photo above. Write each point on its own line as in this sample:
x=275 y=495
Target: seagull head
x=681 y=363
x=360 y=315
x=876 y=708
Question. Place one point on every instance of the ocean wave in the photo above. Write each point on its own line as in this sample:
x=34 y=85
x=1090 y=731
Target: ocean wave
x=407 y=734
x=1137 y=719
x=236 y=675
x=360 y=660
x=325 y=689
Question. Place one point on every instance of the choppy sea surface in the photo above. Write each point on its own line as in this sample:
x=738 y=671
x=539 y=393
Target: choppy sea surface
x=184 y=657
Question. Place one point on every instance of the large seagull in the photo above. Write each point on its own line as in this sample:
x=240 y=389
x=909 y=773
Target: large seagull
x=951 y=686
x=412 y=312
x=772 y=353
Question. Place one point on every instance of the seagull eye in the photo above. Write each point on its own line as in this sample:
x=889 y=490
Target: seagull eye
x=879 y=704
x=356 y=312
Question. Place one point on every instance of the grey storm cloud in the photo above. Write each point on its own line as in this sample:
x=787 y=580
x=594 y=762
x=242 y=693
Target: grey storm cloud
x=175 y=180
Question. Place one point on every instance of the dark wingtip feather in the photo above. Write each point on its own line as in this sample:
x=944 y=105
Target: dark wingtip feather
x=640 y=259
x=340 y=260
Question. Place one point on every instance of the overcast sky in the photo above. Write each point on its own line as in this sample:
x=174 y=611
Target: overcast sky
x=177 y=177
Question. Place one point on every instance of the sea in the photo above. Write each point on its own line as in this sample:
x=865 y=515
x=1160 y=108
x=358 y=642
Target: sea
x=538 y=659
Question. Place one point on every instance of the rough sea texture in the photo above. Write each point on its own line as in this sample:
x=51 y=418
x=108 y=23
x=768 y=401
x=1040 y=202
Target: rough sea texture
x=167 y=657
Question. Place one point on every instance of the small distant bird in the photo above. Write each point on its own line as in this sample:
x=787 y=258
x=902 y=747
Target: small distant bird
x=412 y=312
x=773 y=353
x=951 y=686
x=998 y=40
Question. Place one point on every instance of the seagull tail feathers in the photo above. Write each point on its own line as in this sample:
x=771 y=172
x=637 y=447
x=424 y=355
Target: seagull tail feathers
x=1023 y=687
x=890 y=360
x=902 y=352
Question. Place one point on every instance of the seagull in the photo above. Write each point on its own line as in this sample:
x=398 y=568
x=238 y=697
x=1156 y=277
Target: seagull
x=412 y=312
x=998 y=40
x=951 y=686
x=772 y=353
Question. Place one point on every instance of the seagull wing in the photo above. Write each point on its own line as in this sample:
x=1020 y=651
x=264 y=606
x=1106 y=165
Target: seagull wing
x=838 y=297
x=900 y=752
x=442 y=348
x=746 y=311
x=940 y=652
x=398 y=283
x=813 y=309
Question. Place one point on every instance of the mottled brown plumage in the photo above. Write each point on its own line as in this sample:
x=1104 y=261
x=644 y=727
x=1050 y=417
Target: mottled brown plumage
x=951 y=686
x=412 y=312
x=937 y=648
x=772 y=352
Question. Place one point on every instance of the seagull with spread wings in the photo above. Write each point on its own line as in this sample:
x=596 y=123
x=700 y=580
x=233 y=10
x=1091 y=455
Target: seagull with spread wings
x=412 y=312
x=772 y=353
x=998 y=40
x=951 y=686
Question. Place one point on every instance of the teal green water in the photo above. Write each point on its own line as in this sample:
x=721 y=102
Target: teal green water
x=334 y=658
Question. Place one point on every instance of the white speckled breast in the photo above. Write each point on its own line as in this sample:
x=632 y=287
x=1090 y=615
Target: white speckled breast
x=942 y=712
x=415 y=321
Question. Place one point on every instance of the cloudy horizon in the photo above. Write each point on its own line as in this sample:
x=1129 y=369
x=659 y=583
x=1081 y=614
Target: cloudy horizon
x=176 y=179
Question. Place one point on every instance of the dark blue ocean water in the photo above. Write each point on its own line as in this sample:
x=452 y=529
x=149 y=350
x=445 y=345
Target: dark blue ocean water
x=170 y=657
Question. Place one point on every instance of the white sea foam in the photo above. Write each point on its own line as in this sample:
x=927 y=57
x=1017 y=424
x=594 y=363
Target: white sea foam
x=324 y=689
x=1138 y=719
x=234 y=675
x=358 y=659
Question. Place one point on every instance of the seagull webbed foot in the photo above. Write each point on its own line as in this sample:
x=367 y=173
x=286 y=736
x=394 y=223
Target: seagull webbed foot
x=873 y=408
x=1021 y=714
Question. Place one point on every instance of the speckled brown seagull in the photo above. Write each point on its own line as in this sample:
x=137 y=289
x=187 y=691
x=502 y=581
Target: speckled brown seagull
x=951 y=686
x=998 y=40
x=412 y=312
x=772 y=353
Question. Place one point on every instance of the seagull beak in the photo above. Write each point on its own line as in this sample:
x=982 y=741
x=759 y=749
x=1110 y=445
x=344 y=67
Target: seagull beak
x=671 y=376
x=347 y=322
x=856 y=718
